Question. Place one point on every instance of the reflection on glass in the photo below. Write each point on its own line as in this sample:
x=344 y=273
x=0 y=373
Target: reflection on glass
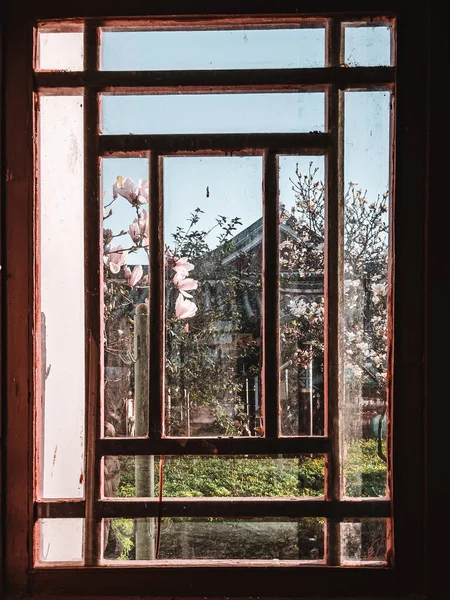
x=62 y=295
x=366 y=239
x=213 y=113
x=214 y=476
x=367 y=46
x=213 y=232
x=301 y=294
x=60 y=540
x=60 y=51
x=216 y=538
x=363 y=540
x=213 y=50
x=126 y=289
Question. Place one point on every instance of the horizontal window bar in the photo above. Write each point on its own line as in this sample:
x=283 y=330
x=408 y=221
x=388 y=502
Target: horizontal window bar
x=199 y=23
x=59 y=509
x=223 y=507
x=205 y=446
x=235 y=142
x=240 y=507
x=261 y=579
x=321 y=76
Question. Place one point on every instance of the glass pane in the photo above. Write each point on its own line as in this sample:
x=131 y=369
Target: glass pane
x=60 y=540
x=213 y=113
x=367 y=46
x=62 y=295
x=363 y=540
x=126 y=290
x=210 y=538
x=214 y=476
x=60 y=51
x=301 y=294
x=212 y=233
x=212 y=50
x=366 y=246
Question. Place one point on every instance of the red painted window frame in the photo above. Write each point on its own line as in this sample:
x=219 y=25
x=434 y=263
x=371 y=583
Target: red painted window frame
x=407 y=574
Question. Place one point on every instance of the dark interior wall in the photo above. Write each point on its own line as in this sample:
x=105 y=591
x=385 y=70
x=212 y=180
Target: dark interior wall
x=435 y=252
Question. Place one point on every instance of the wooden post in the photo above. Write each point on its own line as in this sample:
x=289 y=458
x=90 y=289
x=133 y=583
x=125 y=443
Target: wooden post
x=144 y=465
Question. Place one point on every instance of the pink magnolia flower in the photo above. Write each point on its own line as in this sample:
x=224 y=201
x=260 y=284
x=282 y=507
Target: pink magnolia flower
x=135 y=231
x=139 y=229
x=142 y=190
x=133 y=277
x=116 y=258
x=184 y=284
x=182 y=266
x=184 y=309
x=135 y=194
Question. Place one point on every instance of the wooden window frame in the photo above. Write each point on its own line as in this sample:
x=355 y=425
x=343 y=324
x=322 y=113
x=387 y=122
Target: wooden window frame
x=406 y=576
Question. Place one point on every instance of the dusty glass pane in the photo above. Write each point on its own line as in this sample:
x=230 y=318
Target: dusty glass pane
x=366 y=249
x=60 y=51
x=301 y=308
x=60 y=540
x=363 y=540
x=213 y=113
x=60 y=159
x=212 y=234
x=213 y=50
x=214 y=476
x=126 y=290
x=367 y=46
x=215 y=538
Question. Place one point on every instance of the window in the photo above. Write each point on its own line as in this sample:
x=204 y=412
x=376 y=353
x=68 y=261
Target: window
x=213 y=295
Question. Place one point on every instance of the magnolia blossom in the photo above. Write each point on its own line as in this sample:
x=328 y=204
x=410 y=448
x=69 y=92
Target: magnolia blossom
x=184 y=308
x=139 y=229
x=298 y=308
x=133 y=277
x=184 y=284
x=351 y=283
x=379 y=289
x=182 y=266
x=135 y=194
x=363 y=346
x=116 y=258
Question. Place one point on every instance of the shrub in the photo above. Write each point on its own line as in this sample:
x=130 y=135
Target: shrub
x=212 y=476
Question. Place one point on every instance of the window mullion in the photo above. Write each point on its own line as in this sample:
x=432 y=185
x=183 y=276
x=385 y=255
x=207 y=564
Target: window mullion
x=156 y=302
x=271 y=345
x=93 y=300
x=333 y=290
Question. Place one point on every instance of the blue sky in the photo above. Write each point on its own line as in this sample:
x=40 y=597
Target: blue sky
x=232 y=49
x=239 y=49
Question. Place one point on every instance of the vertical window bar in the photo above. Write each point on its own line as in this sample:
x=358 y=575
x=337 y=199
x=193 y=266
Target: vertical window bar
x=390 y=320
x=156 y=302
x=333 y=290
x=93 y=298
x=271 y=345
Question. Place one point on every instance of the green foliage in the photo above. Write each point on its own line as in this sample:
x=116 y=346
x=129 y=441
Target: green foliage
x=253 y=477
x=193 y=476
x=123 y=530
x=364 y=471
